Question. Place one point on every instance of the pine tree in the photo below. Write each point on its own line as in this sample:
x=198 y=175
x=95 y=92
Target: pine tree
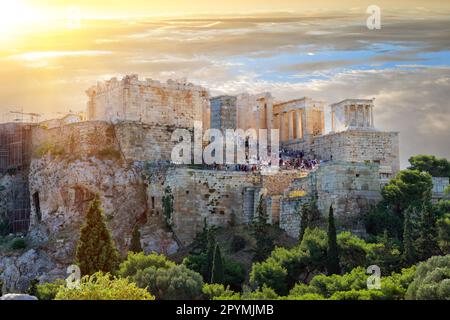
x=135 y=243
x=332 y=253
x=426 y=244
x=96 y=250
x=409 y=255
x=217 y=272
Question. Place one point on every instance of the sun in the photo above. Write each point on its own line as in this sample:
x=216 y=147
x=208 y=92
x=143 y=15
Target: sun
x=15 y=15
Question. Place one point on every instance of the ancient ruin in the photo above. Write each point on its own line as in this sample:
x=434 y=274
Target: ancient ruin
x=122 y=151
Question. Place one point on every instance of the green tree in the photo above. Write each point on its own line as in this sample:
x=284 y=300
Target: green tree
x=270 y=274
x=381 y=218
x=437 y=167
x=310 y=217
x=210 y=257
x=100 y=286
x=173 y=283
x=135 y=243
x=217 y=273
x=216 y=290
x=137 y=262
x=303 y=221
x=409 y=254
x=443 y=225
x=96 y=250
x=162 y=277
x=285 y=267
x=408 y=188
x=332 y=252
x=261 y=232
x=234 y=272
x=426 y=244
x=431 y=281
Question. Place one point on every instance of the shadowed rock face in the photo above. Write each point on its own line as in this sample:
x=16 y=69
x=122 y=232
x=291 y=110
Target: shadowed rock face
x=17 y=269
x=64 y=188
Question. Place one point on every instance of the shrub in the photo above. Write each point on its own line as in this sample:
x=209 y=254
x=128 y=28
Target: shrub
x=136 y=262
x=215 y=290
x=432 y=280
x=234 y=271
x=163 y=278
x=269 y=274
x=18 y=244
x=49 y=148
x=173 y=283
x=357 y=295
x=48 y=290
x=264 y=293
x=100 y=286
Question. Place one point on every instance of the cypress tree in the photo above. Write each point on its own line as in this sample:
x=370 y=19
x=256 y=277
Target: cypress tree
x=96 y=250
x=427 y=243
x=332 y=253
x=303 y=222
x=261 y=232
x=217 y=273
x=210 y=256
x=409 y=255
x=135 y=244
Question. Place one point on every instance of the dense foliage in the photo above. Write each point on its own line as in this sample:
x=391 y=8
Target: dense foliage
x=162 y=277
x=437 y=167
x=409 y=241
x=432 y=280
x=100 y=286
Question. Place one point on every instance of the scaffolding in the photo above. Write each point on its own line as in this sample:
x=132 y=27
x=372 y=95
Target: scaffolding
x=15 y=154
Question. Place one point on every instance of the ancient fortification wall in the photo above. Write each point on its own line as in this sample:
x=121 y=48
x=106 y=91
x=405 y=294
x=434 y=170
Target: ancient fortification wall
x=149 y=101
x=219 y=197
x=351 y=188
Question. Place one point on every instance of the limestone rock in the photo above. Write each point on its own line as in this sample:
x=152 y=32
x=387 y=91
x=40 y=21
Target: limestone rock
x=16 y=296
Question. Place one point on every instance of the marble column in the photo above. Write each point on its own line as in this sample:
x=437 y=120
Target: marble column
x=371 y=116
x=298 y=124
x=290 y=126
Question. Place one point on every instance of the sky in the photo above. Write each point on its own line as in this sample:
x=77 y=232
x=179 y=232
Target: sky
x=52 y=51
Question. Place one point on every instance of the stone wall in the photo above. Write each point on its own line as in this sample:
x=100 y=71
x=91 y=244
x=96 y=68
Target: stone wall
x=217 y=196
x=355 y=146
x=223 y=113
x=131 y=140
x=173 y=103
x=439 y=185
x=351 y=188
x=144 y=142
x=80 y=139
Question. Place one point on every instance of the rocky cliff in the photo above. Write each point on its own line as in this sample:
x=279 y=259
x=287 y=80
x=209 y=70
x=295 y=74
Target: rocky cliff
x=60 y=191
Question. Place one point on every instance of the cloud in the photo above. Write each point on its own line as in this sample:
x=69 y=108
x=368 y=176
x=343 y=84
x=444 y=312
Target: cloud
x=329 y=56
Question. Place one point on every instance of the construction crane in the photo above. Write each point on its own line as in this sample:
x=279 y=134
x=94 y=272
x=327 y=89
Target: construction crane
x=34 y=117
